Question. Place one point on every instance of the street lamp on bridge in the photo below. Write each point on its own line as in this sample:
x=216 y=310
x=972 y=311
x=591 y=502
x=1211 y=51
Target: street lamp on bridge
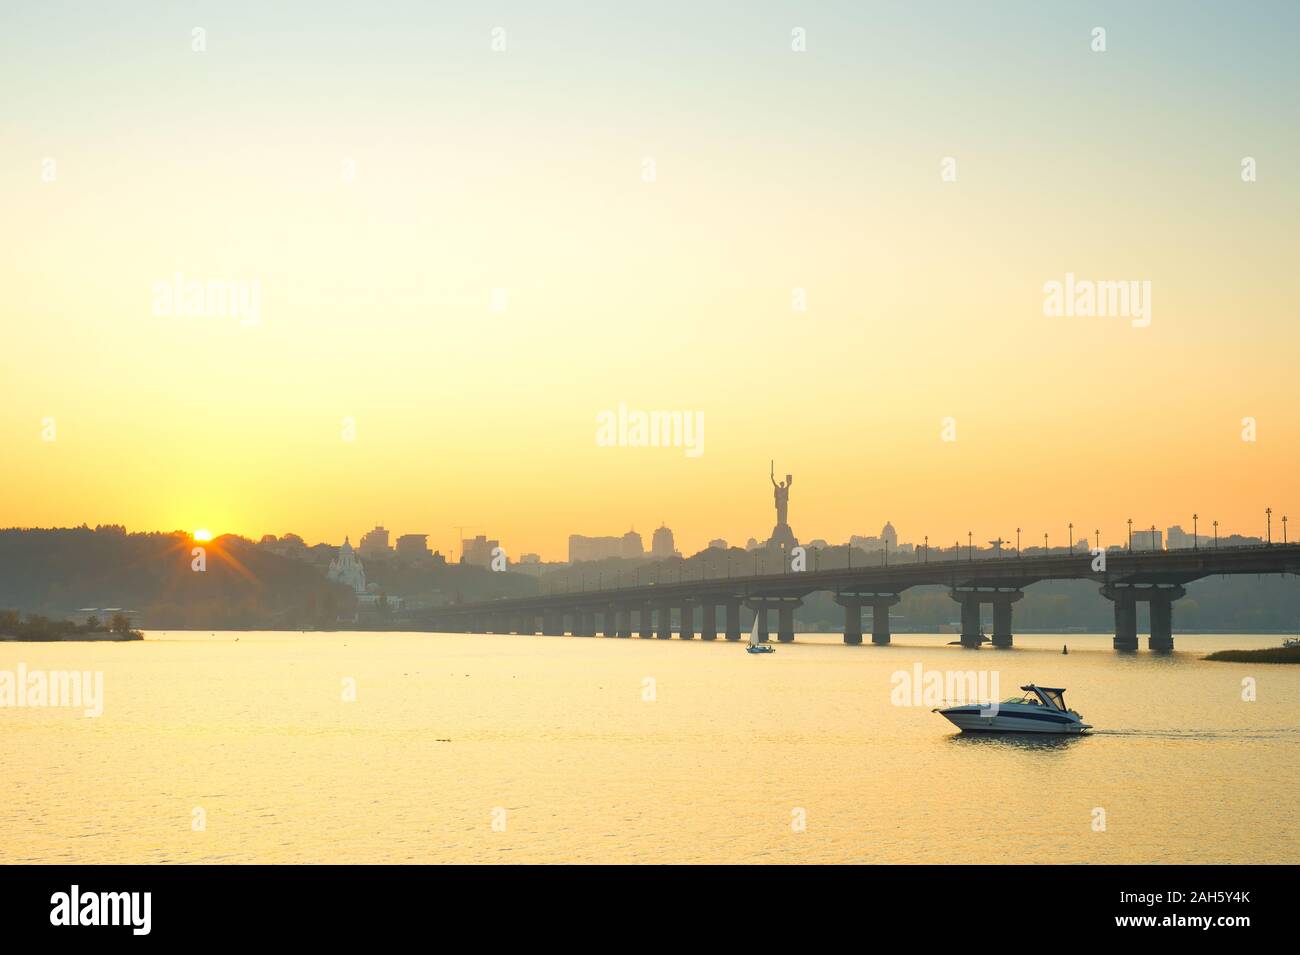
x=1283 y=528
x=1216 y=535
x=1268 y=513
x=927 y=548
x=1047 y=551
x=1130 y=535
x=1153 y=538
x=1097 y=533
x=1070 y=540
x=1017 y=542
x=970 y=546
x=1196 y=540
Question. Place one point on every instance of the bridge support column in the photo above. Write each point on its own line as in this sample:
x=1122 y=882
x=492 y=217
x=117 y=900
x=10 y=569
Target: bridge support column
x=588 y=624
x=665 y=631
x=687 y=629
x=553 y=624
x=785 y=623
x=852 y=620
x=733 y=620
x=624 y=621
x=970 y=618
x=1002 y=617
x=880 y=619
x=761 y=611
x=1162 y=618
x=708 y=621
x=527 y=624
x=646 y=622
x=1125 y=600
x=609 y=626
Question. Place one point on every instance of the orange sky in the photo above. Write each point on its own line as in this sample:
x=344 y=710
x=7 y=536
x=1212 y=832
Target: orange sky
x=376 y=190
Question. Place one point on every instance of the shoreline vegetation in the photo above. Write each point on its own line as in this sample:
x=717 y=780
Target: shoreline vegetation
x=1265 y=655
x=38 y=629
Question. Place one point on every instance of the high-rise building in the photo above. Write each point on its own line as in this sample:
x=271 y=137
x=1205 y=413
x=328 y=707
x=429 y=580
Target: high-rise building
x=593 y=548
x=632 y=546
x=374 y=543
x=478 y=551
x=662 y=545
x=1147 y=539
x=413 y=547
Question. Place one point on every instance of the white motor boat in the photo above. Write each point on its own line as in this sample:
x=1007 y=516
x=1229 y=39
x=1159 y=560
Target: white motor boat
x=1041 y=709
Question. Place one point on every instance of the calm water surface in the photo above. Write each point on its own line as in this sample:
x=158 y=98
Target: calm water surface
x=447 y=729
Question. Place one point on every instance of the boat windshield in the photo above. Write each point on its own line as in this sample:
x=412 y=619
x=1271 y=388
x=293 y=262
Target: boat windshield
x=1057 y=698
x=1027 y=698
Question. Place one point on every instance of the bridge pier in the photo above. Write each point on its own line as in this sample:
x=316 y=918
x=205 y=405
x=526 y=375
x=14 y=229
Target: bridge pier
x=852 y=620
x=880 y=618
x=1161 y=599
x=1002 y=602
x=623 y=622
x=526 y=623
x=553 y=624
x=784 y=607
x=708 y=620
x=970 y=618
x=1126 y=621
x=687 y=615
x=733 y=620
x=588 y=619
x=609 y=626
x=665 y=631
x=647 y=624
x=785 y=624
x=1162 y=618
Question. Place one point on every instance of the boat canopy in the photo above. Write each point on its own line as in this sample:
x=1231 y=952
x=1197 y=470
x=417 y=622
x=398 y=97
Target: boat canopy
x=1053 y=696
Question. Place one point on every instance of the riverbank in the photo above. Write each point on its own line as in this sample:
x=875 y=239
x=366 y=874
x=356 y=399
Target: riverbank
x=1265 y=655
x=97 y=636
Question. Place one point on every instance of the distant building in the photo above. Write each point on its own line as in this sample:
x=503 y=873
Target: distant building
x=346 y=569
x=413 y=547
x=375 y=543
x=717 y=544
x=593 y=548
x=871 y=543
x=632 y=546
x=1147 y=539
x=1178 y=539
x=752 y=544
x=889 y=535
x=478 y=551
x=662 y=544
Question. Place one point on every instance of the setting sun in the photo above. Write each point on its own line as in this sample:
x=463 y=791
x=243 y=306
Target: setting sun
x=203 y=534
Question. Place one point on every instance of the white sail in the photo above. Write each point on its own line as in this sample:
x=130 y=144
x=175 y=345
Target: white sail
x=753 y=633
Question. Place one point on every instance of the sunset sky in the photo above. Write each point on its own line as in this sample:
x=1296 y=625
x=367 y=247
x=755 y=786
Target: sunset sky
x=379 y=176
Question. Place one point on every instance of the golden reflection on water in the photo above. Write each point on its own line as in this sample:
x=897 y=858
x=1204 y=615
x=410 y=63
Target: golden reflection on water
x=607 y=750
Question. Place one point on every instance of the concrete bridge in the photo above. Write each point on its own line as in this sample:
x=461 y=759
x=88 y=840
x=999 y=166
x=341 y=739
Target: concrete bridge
x=1156 y=577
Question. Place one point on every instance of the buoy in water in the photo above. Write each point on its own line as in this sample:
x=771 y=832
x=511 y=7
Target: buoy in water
x=1065 y=650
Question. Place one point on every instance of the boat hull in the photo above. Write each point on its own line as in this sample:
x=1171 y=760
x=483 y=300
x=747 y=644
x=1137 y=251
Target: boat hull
x=971 y=719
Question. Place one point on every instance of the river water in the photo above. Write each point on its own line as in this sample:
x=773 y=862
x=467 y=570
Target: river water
x=387 y=747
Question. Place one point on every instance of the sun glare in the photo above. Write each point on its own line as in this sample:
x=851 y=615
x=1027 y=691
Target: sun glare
x=203 y=534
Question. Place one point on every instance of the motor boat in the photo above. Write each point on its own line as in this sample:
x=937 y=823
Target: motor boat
x=754 y=645
x=1041 y=709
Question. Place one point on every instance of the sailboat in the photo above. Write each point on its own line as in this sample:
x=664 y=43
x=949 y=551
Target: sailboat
x=754 y=645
